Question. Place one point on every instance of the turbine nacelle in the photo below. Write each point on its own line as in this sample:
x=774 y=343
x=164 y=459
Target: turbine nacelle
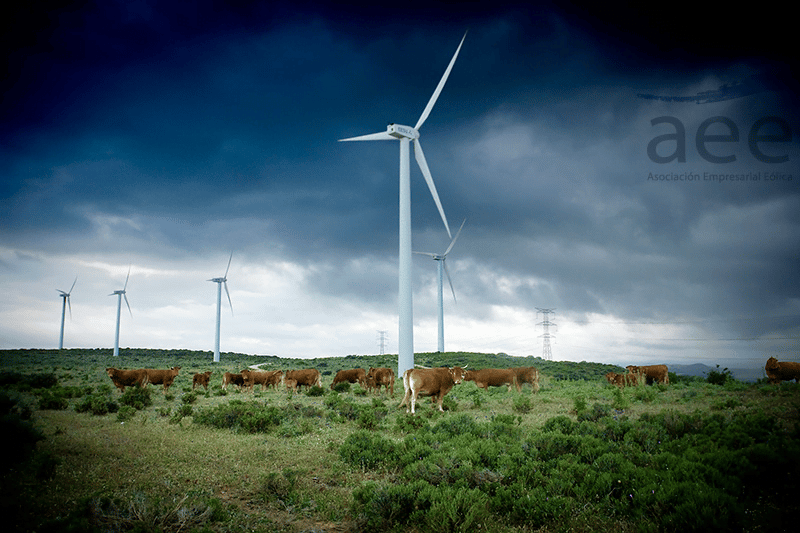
x=402 y=132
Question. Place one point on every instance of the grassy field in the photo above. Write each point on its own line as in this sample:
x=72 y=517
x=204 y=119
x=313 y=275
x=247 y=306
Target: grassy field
x=578 y=456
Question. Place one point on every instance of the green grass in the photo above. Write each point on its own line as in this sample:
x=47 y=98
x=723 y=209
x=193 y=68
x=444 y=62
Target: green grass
x=494 y=461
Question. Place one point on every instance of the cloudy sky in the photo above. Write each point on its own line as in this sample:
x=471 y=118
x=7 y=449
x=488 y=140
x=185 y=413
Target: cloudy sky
x=139 y=135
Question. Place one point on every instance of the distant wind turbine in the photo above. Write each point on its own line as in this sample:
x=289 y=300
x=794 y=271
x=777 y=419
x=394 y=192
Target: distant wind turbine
x=404 y=134
x=120 y=294
x=221 y=281
x=442 y=265
x=64 y=304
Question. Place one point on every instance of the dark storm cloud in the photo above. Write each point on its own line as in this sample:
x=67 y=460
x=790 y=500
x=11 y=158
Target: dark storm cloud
x=140 y=125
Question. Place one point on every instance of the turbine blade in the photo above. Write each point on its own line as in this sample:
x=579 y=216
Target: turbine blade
x=70 y=307
x=439 y=87
x=229 y=265
x=229 y=295
x=426 y=253
x=454 y=238
x=73 y=285
x=126 y=303
x=127 y=278
x=423 y=166
x=444 y=263
x=381 y=136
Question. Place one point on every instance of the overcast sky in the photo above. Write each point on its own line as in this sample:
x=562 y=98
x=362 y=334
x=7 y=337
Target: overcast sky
x=140 y=135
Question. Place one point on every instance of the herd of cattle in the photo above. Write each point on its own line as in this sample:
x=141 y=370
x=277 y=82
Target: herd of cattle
x=639 y=375
x=433 y=382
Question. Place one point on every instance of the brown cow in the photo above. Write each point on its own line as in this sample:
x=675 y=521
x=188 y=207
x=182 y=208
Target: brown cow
x=492 y=377
x=232 y=379
x=356 y=375
x=201 y=379
x=271 y=378
x=127 y=378
x=380 y=376
x=291 y=384
x=305 y=378
x=162 y=377
x=651 y=373
x=527 y=374
x=435 y=382
x=778 y=371
x=622 y=380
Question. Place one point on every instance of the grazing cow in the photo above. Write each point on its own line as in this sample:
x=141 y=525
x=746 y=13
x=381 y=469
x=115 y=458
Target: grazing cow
x=127 y=378
x=232 y=379
x=380 y=376
x=527 y=374
x=622 y=380
x=266 y=379
x=162 y=377
x=493 y=377
x=435 y=382
x=356 y=375
x=305 y=378
x=291 y=384
x=651 y=373
x=778 y=371
x=201 y=379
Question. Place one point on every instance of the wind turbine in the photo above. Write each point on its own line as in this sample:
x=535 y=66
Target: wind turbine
x=440 y=259
x=120 y=294
x=221 y=281
x=64 y=304
x=406 y=134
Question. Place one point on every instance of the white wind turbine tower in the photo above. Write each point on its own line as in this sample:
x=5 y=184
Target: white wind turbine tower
x=120 y=294
x=405 y=358
x=442 y=265
x=221 y=281
x=64 y=304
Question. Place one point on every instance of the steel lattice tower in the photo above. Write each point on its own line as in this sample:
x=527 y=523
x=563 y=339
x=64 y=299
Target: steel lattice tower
x=547 y=353
x=382 y=340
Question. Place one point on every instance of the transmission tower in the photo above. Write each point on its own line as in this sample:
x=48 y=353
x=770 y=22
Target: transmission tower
x=547 y=354
x=382 y=340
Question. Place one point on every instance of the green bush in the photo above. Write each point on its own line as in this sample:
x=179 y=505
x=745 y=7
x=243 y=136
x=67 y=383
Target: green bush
x=366 y=449
x=98 y=403
x=126 y=413
x=136 y=397
x=249 y=417
x=181 y=412
x=52 y=400
x=522 y=404
x=315 y=391
x=189 y=398
x=344 y=386
x=719 y=377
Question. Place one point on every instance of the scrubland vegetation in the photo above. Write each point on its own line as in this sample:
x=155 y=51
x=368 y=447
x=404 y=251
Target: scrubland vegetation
x=581 y=455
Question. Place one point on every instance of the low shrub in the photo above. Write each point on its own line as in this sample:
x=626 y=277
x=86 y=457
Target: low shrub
x=315 y=391
x=52 y=400
x=719 y=377
x=137 y=397
x=97 y=403
x=126 y=413
x=522 y=404
x=369 y=450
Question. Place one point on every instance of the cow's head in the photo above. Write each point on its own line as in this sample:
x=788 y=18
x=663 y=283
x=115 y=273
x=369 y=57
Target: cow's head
x=772 y=364
x=458 y=374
